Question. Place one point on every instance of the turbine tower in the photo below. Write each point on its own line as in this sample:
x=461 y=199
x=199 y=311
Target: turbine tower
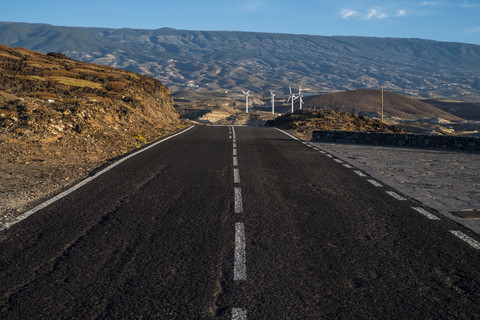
x=300 y=96
x=292 y=96
x=246 y=100
x=273 y=101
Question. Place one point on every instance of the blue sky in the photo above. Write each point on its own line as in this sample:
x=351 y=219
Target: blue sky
x=443 y=20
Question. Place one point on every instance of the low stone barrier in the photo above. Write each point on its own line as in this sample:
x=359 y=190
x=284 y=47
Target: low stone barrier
x=399 y=139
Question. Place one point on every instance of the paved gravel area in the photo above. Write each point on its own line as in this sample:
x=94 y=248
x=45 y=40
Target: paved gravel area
x=447 y=181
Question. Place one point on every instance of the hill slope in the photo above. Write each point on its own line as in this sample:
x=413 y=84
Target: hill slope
x=61 y=118
x=304 y=122
x=262 y=61
x=368 y=102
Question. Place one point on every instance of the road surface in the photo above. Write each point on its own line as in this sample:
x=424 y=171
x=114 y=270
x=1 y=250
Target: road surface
x=237 y=223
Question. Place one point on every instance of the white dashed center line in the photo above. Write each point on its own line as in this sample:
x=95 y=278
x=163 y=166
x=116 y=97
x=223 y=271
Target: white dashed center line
x=347 y=166
x=238 y=200
x=236 y=176
x=396 y=195
x=338 y=160
x=375 y=183
x=426 y=213
x=239 y=314
x=474 y=243
x=239 y=264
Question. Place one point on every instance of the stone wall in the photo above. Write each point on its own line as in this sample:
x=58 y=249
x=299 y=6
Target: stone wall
x=399 y=139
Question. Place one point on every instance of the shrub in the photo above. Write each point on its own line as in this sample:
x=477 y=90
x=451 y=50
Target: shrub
x=115 y=85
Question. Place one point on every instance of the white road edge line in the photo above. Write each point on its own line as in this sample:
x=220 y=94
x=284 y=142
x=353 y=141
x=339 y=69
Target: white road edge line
x=84 y=182
x=426 y=213
x=239 y=314
x=375 y=183
x=239 y=264
x=360 y=173
x=474 y=243
x=288 y=134
x=396 y=195
x=233 y=131
x=236 y=175
x=238 y=200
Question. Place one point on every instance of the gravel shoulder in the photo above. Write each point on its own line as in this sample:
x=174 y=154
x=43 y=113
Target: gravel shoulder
x=446 y=181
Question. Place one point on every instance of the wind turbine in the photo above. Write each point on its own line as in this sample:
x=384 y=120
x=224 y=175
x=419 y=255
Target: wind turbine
x=292 y=96
x=246 y=100
x=300 y=96
x=273 y=101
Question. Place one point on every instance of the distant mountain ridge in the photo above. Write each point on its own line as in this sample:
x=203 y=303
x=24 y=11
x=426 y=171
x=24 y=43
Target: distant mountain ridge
x=262 y=61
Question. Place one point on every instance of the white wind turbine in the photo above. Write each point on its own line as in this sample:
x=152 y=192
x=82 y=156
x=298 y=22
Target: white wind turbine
x=273 y=101
x=292 y=96
x=246 y=100
x=300 y=96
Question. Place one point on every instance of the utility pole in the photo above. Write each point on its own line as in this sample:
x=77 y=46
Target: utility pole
x=382 y=104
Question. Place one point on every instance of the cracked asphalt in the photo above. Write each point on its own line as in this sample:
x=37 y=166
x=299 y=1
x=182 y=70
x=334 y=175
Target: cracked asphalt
x=154 y=237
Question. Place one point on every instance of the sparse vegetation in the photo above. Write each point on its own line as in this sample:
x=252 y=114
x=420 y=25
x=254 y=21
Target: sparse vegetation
x=77 y=82
x=262 y=61
x=304 y=122
x=58 y=121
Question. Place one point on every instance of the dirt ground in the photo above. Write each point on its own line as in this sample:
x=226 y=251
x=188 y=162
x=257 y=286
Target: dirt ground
x=32 y=171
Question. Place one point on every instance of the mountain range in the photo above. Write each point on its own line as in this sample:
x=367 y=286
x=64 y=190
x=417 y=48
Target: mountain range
x=232 y=61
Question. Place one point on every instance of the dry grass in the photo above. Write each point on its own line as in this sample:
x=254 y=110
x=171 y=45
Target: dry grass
x=78 y=82
x=36 y=78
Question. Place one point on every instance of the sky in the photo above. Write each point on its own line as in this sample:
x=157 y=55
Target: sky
x=441 y=20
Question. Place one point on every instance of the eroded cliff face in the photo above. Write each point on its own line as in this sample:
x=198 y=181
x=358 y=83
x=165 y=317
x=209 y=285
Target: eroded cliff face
x=61 y=118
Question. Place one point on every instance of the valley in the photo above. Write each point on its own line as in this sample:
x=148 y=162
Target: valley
x=219 y=61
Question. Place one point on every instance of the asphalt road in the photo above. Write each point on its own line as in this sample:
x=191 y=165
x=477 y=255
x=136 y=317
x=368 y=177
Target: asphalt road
x=252 y=223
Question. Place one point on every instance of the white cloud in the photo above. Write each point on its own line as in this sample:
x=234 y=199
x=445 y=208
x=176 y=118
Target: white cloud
x=401 y=13
x=250 y=6
x=430 y=3
x=473 y=30
x=469 y=5
x=375 y=14
x=348 y=13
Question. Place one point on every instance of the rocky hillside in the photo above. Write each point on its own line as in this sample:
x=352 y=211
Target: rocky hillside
x=368 y=102
x=61 y=118
x=304 y=122
x=260 y=62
